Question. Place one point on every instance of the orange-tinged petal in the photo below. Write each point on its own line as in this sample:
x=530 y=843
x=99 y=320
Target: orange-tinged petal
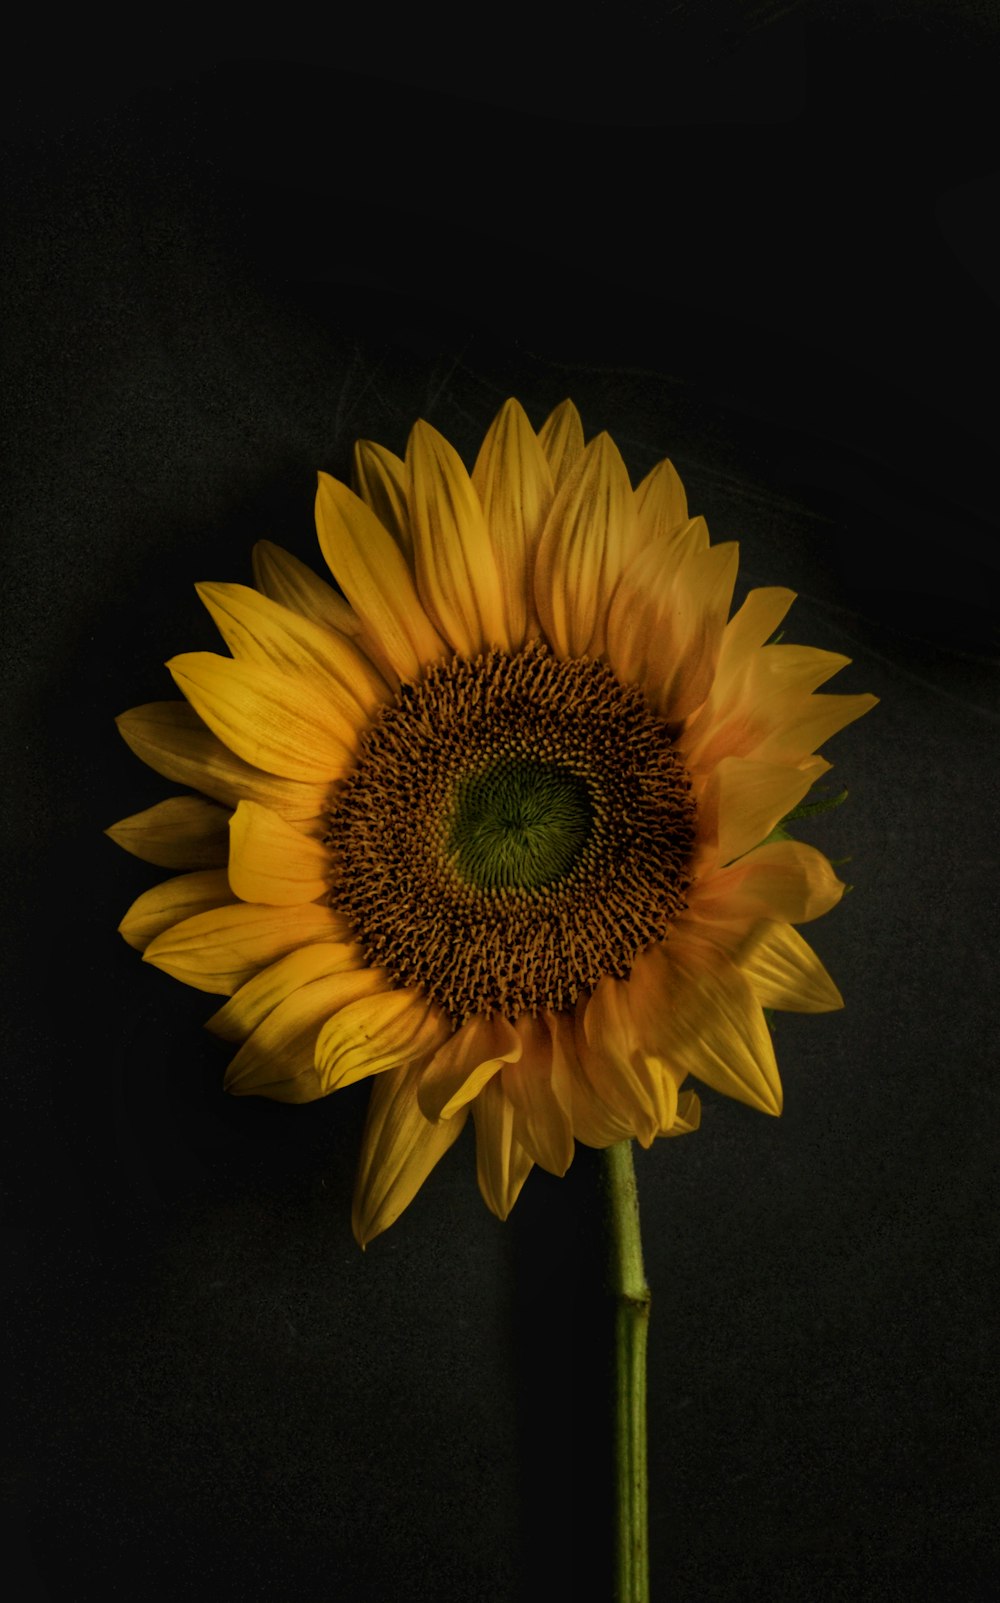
x=502 y=1164
x=259 y=630
x=785 y=972
x=172 y=739
x=589 y=535
x=172 y=902
x=688 y=1117
x=540 y=1097
x=270 y=861
x=561 y=439
x=465 y=1062
x=285 y=579
x=182 y=832
x=399 y=1148
x=817 y=718
x=219 y=951
x=276 y=721
x=456 y=566
x=713 y=1025
x=380 y=480
x=277 y=1060
x=375 y=577
x=743 y=801
x=625 y=1072
x=787 y=881
x=376 y=1033
x=249 y=1006
x=514 y=483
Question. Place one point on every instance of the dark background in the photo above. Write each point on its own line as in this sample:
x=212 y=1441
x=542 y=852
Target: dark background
x=754 y=238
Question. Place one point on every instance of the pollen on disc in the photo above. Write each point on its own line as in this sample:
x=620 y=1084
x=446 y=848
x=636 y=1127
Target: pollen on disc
x=514 y=828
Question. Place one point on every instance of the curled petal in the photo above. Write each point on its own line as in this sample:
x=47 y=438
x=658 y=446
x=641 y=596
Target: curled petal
x=277 y=1059
x=465 y=1062
x=270 y=861
x=502 y=1164
x=249 y=1006
x=219 y=951
x=172 y=902
x=384 y=1031
x=538 y=1087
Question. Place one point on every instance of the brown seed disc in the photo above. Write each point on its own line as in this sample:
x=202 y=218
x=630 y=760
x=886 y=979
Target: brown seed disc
x=515 y=827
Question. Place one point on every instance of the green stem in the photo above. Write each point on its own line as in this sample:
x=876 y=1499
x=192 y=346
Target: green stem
x=631 y=1293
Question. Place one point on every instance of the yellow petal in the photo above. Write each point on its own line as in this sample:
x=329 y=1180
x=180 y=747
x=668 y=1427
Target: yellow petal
x=463 y=1064
x=277 y=1060
x=590 y=533
x=219 y=951
x=502 y=1165
x=399 y=1148
x=380 y=480
x=785 y=972
x=270 y=861
x=373 y=573
x=787 y=881
x=456 y=565
x=743 y=801
x=259 y=630
x=688 y=1117
x=172 y=739
x=514 y=484
x=561 y=438
x=540 y=1095
x=662 y=510
x=173 y=901
x=713 y=1026
x=792 y=737
x=183 y=832
x=277 y=722
x=249 y=1006
x=666 y=621
x=624 y=1071
x=376 y=1033
x=282 y=577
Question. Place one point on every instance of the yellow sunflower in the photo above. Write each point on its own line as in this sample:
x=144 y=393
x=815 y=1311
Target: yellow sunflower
x=491 y=824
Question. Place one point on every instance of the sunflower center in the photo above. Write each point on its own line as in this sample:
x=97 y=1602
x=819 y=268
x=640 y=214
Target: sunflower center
x=519 y=823
x=514 y=828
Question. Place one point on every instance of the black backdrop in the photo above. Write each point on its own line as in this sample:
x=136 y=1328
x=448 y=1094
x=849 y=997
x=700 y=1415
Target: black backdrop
x=757 y=239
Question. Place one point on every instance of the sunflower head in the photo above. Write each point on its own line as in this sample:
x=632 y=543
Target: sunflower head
x=493 y=822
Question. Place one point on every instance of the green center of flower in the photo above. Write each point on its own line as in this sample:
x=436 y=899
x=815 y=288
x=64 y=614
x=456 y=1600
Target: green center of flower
x=519 y=824
x=515 y=828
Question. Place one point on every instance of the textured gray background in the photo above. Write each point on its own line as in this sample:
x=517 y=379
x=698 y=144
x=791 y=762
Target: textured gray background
x=753 y=238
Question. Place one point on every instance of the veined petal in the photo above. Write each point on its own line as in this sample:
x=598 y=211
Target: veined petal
x=172 y=739
x=249 y=1006
x=456 y=566
x=465 y=1062
x=380 y=480
x=589 y=535
x=662 y=510
x=270 y=861
x=787 y=881
x=744 y=800
x=502 y=1164
x=540 y=1097
x=561 y=439
x=373 y=573
x=182 y=832
x=713 y=1025
x=219 y=951
x=172 y=902
x=384 y=1031
x=259 y=630
x=785 y=972
x=277 y=1060
x=816 y=719
x=282 y=577
x=625 y=1072
x=514 y=483
x=399 y=1148
x=275 y=721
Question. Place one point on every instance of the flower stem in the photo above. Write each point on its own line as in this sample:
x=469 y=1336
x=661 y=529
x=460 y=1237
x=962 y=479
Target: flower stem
x=631 y=1293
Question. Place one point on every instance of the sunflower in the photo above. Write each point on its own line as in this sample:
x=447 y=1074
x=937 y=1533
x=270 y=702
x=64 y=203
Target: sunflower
x=495 y=822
